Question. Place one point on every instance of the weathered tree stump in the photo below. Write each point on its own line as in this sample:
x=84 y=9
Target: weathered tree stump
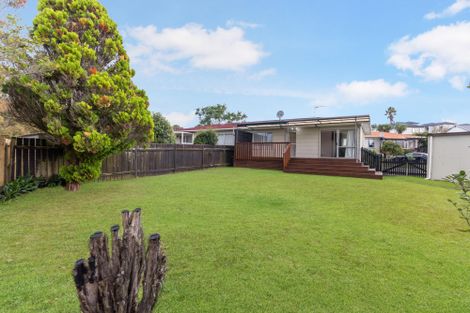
x=110 y=283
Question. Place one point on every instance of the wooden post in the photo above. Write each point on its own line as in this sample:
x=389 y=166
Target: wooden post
x=3 y=161
x=203 y=157
x=110 y=283
x=135 y=163
x=174 y=157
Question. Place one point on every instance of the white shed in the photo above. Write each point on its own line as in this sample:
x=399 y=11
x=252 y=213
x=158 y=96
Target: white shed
x=449 y=153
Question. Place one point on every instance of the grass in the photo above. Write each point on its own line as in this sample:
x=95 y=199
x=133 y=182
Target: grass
x=241 y=240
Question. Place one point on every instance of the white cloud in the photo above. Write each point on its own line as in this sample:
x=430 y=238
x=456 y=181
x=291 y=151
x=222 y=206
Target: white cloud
x=459 y=82
x=457 y=7
x=351 y=93
x=368 y=91
x=263 y=74
x=218 y=49
x=181 y=119
x=242 y=24
x=442 y=52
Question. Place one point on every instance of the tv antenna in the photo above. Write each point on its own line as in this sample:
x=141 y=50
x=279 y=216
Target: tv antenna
x=315 y=108
x=280 y=114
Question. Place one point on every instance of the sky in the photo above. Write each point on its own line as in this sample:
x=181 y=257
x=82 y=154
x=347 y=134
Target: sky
x=304 y=57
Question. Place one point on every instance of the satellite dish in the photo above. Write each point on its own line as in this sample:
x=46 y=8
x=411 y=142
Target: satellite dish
x=280 y=114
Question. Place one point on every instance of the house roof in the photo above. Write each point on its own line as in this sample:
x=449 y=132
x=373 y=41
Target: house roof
x=461 y=128
x=308 y=121
x=450 y=134
x=226 y=126
x=390 y=136
x=415 y=124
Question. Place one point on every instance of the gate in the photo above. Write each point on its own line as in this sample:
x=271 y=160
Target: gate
x=401 y=166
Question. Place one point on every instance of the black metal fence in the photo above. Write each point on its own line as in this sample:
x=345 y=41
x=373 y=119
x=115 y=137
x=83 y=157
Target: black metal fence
x=398 y=166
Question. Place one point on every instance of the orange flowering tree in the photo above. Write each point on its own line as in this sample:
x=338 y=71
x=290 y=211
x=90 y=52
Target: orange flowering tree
x=88 y=101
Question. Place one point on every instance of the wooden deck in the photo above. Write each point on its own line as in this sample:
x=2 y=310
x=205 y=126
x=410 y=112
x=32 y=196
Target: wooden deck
x=332 y=167
x=277 y=156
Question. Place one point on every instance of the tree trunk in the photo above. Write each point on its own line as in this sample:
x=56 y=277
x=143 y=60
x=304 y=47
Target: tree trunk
x=72 y=187
x=110 y=284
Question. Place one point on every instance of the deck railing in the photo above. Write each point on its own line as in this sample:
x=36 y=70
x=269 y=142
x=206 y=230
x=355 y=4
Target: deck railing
x=287 y=156
x=260 y=150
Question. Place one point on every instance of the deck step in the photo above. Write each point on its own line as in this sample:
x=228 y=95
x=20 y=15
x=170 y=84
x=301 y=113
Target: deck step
x=332 y=167
x=373 y=175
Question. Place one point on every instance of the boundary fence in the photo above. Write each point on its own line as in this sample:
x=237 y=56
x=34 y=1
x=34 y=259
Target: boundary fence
x=35 y=157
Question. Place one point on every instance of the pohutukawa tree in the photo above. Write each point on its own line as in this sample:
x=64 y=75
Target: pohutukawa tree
x=88 y=102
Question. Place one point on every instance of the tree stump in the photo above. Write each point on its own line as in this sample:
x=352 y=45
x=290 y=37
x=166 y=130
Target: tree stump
x=110 y=283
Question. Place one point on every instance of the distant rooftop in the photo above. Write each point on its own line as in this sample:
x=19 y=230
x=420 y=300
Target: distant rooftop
x=390 y=136
x=214 y=126
x=415 y=124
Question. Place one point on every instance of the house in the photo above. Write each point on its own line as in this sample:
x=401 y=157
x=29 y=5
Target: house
x=183 y=137
x=448 y=153
x=375 y=140
x=225 y=133
x=328 y=146
x=462 y=128
x=432 y=128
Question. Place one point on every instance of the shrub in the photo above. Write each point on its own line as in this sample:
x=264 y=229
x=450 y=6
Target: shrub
x=18 y=187
x=462 y=180
x=208 y=137
x=28 y=184
x=391 y=148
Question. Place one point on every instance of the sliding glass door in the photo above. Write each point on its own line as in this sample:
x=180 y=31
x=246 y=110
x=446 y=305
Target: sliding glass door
x=340 y=143
x=347 y=143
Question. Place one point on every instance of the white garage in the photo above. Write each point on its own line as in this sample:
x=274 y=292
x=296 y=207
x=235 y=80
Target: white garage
x=449 y=153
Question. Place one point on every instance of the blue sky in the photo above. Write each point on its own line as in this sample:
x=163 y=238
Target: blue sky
x=305 y=57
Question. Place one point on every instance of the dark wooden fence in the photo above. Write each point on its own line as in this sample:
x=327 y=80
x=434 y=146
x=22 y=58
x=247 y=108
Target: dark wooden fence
x=394 y=166
x=34 y=157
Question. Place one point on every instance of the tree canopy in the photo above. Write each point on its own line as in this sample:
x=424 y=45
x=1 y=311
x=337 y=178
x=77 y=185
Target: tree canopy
x=207 y=137
x=384 y=128
x=400 y=128
x=163 y=131
x=88 y=101
x=391 y=148
x=217 y=114
x=390 y=113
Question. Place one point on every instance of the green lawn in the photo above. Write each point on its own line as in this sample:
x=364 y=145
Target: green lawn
x=241 y=240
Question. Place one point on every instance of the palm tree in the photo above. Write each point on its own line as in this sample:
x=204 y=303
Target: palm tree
x=390 y=114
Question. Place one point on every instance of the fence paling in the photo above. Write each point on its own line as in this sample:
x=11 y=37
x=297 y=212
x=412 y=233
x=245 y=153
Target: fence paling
x=33 y=157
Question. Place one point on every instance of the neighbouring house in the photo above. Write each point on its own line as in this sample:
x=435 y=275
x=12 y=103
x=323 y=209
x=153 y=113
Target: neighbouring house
x=225 y=133
x=183 y=137
x=448 y=153
x=433 y=128
x=375 y=140
x=328 y=146
x=461 y=128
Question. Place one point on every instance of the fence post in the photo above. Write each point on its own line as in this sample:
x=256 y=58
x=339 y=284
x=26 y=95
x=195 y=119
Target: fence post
x=203 y=165
x=135 y=162
x=407 y=168
x=3 y=161
x=174 y=158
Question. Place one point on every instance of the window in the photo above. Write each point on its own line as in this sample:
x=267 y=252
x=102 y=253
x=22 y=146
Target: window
x=188 y=138
x=263 y=137
x=226 y=138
